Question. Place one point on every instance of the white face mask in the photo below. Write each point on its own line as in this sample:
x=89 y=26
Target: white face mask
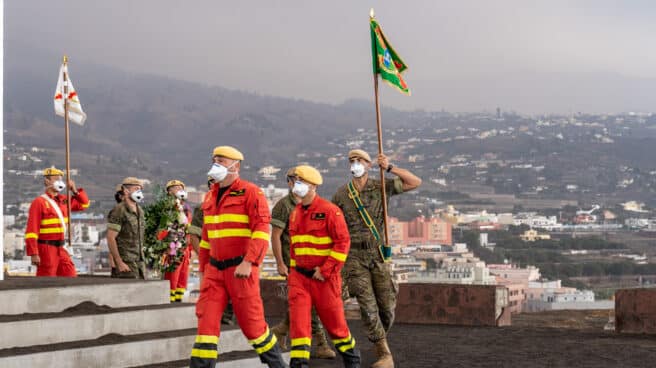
x=137 y=196
x=300 y=189
x=58 y=185
x=357 y=169
x=181 y=194
x=219 y=172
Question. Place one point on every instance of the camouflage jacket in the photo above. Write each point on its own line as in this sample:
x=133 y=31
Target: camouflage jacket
x=130 y=228
x=280 y=219
x=372 y=200
x=196 y=226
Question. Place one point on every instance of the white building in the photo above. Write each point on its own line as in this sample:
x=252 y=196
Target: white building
x=457 y=270
x=550 y=295
x=534 y=220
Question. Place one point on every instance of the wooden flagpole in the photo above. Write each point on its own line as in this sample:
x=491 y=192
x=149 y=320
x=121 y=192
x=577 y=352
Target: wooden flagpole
x=380 y=150
x=68 y=156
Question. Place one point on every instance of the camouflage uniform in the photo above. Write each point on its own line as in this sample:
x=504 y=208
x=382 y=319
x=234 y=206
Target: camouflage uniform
x=366 y=275
x=130 y=227
x=280 y=219
x=196 y=228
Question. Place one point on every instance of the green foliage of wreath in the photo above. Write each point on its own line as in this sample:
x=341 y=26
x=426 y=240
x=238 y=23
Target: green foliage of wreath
x=165 y=237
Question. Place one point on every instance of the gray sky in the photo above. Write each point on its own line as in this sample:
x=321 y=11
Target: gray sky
x=532 y=56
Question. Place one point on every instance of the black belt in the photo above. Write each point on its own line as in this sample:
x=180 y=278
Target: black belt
x=226 y=263
x=305 y=272
x=363 y=245
x=56 y=243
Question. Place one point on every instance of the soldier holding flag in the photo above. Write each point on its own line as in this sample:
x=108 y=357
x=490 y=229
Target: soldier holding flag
x=364 y=203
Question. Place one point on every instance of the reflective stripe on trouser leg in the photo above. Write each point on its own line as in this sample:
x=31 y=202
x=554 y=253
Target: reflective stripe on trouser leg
x=204 y=352
x=172 y=296
x=300 y=352
x=346 y=347
x=179 y=293
x=267 y=348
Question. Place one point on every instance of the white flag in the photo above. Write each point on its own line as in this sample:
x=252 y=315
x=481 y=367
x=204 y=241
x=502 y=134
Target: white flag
x=75 y=113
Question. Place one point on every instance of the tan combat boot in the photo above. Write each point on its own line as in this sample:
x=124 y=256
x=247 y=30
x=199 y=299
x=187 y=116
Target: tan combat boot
x=323 y=350
x=280 y=331
x=383 y=354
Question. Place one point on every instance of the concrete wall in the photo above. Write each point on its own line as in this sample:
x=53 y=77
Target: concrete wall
x=470 y=305
x=635 y=311
x=56 y=299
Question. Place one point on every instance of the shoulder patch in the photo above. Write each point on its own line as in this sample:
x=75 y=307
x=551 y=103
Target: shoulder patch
x=237 y=193
x=318 y=216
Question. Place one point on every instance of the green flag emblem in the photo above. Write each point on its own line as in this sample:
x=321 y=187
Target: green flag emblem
x=386 y=61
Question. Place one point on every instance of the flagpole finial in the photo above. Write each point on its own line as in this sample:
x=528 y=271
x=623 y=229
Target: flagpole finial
x=371 y=13
x=65 y=60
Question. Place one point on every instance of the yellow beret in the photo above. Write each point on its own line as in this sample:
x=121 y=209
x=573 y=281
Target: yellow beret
x=291 y=171
x=358 y=153
x=51 y=171
x=119 y=188
x=174 y=183
x=131 y=180
x=309 y=174
x=228 y=152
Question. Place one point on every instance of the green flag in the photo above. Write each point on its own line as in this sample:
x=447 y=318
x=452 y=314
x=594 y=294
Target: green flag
x=386 y=61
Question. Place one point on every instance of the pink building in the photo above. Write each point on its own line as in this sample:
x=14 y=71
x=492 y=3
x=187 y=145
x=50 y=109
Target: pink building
x=517 y=281
x=420 y=231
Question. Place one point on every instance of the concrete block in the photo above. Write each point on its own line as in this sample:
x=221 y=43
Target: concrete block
x=125 y=354
x=88 y=327
x=450 y=304
x=635 y=311
x=57 y=298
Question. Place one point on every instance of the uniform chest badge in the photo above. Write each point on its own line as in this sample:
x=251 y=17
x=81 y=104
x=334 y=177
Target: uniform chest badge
x=318 y=216
x=237 y=193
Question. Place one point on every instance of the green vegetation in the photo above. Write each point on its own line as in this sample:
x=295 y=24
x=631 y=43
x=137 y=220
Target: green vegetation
x=549 y=255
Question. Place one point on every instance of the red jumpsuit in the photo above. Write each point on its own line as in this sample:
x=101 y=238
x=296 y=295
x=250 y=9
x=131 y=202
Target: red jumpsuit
x=319 y=238
x=178 y=278
x=44 y=234
x=235 y=228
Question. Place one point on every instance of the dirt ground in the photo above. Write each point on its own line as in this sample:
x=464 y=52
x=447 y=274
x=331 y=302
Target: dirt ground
x=551 y=339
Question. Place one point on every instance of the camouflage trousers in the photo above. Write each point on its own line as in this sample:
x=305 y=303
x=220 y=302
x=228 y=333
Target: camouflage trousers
x=369 y=280
x=137 y=271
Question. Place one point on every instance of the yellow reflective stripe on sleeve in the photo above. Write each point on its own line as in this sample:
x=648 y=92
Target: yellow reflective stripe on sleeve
x=311 y=239
x=86 y=205
x=226 y=217
x=31 y=236
x=301 y=341
x=311 y=252
x=207 y=339
x=268 y=346
x=51 y=230
x=260 y=235
x=338 y=256
x=292 y=263
x=299 y=354
x=53 y=221
x=205 y=354
x=203 y=244
x=260 y=339
x=228 y=233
